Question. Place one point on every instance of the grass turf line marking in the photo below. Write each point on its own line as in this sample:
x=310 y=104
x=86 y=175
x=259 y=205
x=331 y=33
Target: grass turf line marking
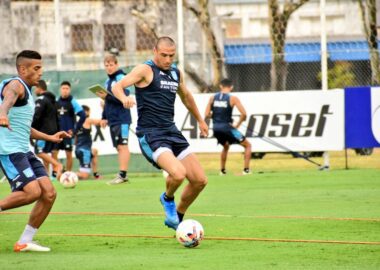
x=219 y=238
x=195 y=215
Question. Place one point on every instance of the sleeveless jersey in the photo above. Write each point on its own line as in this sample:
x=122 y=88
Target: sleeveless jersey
x=155 y=102
x=20 y=120
x=221 y=109
x=84 y=139
x=114 y=111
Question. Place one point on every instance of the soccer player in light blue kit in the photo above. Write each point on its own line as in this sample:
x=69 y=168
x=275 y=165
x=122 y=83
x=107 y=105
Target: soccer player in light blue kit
x=26 y=174
x=157 y=82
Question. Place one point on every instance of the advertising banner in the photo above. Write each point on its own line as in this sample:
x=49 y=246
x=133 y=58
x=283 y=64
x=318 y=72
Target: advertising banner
x=362 y=117
x=298 y=120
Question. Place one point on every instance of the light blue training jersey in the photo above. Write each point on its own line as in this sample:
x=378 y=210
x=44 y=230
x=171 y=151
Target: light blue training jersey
x=20 y=120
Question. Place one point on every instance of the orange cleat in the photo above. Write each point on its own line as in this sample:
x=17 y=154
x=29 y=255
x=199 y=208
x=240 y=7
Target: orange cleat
x=32 y=246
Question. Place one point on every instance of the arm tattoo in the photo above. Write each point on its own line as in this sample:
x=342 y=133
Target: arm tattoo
x=11 y=94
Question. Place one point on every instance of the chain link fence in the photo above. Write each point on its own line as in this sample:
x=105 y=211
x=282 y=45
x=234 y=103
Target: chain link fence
x=282 y=48
x=249 y=42
x=255 y=43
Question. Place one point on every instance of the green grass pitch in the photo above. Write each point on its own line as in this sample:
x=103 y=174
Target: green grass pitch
x=261 y=221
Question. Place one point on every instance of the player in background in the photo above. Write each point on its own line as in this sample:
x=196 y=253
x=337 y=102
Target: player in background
x=85 y=153
x=157 y=82
x=117 y=117
x=68 y=110
x=45 y=120
x=219 y=108
x=26 y=174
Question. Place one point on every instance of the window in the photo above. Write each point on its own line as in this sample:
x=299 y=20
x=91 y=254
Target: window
x=232 y=28
x=145 y=40
x=114 y=37
x=82 y=38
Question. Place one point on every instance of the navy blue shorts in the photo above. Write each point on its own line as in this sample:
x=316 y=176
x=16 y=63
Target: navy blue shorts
x=66 y=144
x=228 y=134
x=119 y=134
x=153 y=143
x=21 y=168
x=42 y=146
x=84 y=155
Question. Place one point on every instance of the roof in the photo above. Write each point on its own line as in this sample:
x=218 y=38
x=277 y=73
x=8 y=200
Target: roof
x=296 y=52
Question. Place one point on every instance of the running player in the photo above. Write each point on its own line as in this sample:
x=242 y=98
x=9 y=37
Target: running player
x=68 y=110
x=45 y=120
x=26 y=174
x=117 y=117
x=87 y=156
x=219 y=108
x=156 y=84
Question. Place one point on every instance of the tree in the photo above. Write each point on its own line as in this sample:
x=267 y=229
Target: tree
x=339 y=76
x=202 y=13
x=368 y=14
x=147 y=20
x=278 y=22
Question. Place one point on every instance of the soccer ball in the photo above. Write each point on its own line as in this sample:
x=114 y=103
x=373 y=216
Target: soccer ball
x=68 y=179
x=190 y=233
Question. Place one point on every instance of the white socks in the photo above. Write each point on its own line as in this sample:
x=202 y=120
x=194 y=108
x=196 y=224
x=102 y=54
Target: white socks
x=27 y=235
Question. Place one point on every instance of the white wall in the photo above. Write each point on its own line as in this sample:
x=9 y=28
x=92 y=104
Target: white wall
x=342 y=17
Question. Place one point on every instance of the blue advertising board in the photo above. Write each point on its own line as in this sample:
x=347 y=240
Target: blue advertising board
x=362 y=117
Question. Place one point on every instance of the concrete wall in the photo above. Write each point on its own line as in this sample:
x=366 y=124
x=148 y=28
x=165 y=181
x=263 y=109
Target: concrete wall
x=342 y=18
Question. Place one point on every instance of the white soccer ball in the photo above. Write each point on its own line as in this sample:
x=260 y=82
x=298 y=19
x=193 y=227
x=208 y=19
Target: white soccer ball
x=190 y=233
x=69 y=179
x=165 y=174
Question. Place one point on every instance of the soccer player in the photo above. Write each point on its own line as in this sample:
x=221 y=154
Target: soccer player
x=45 y=120
x=68 y=110
x=87 y=156
x=117 y=117
x=219 y=108
x=26 y=174
x=156 y=83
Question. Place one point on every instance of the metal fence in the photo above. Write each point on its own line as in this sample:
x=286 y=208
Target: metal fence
x=74 y=36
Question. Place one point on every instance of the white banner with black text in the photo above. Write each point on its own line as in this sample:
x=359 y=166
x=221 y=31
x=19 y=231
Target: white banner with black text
x=296 y=120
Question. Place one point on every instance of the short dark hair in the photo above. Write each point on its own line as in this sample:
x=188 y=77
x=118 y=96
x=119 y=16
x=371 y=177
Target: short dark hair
x=165 y=39
x=66 y=83
x=27 y=54
x=42 y=84
x=86 y=108
x=226 y=82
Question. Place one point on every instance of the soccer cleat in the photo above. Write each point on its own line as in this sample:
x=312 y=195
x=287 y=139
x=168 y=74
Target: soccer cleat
x=324 y=168
x=246 y=172
x=170 y=209
x=118 y=180
x=222 y=172
x=170 y=225
x=32 y=246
